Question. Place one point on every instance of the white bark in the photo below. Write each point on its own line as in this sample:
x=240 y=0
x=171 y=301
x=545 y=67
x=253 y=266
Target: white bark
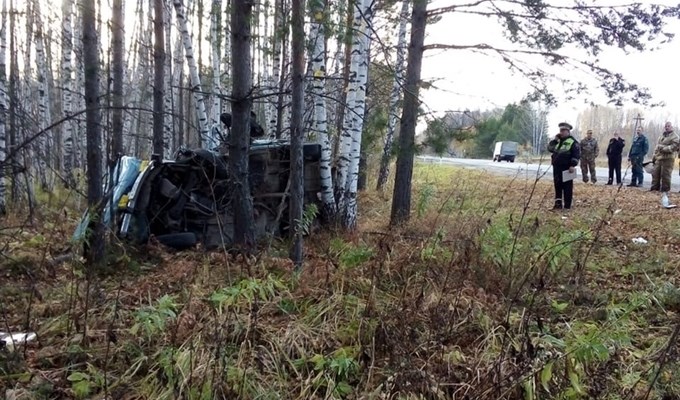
x=317 y=37
x=3 y=108
x=226 y=59
x=168 y=136
x=339 y=58
x=266 y=70
x=216 y=108
x=79 y=138
x=177 y=69
x=131 y=101
x=67 y=89
x=45 y=140
x=208 y=139
x=356 y=105
x=276 y=67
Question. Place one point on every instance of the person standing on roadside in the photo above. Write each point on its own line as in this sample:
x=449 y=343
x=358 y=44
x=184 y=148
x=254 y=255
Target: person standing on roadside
x=565 y=157
x=614 y=152
x=664 y=158
x=589 y=152
x=636 y=155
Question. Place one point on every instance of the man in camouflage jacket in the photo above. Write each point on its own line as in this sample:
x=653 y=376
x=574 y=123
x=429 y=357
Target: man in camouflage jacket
x=589 y=152
x=664 y=158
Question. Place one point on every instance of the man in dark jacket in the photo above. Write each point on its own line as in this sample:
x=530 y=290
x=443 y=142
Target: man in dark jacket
x=614 y=151
x=637 y=153
x=565 y=157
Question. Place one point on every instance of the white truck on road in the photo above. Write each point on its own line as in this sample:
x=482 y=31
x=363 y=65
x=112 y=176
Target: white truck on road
x=505 y=151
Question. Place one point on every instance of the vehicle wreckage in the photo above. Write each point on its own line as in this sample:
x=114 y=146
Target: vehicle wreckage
x=188 y=200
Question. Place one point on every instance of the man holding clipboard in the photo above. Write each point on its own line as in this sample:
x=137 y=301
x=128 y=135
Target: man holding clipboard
x=565 y=157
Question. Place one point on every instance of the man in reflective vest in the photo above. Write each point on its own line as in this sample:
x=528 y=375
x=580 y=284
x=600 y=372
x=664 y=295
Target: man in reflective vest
x=565 y=157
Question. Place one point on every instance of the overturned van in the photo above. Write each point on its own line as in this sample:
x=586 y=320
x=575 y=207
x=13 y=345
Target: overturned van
x=188 y=200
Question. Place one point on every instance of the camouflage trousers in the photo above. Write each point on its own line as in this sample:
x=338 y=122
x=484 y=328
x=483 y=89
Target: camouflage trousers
x=661 y=177
x=588 y=165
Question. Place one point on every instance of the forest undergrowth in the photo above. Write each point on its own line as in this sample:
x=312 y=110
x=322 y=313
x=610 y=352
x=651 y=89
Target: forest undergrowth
x=485 y=294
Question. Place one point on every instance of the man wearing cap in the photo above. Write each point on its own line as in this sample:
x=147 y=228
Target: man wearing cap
x=637 y=153
x=565 y=156
x=664 y=158
x=589 y=152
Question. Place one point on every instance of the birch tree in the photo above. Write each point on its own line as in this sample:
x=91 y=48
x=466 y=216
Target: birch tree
x=44 y=141
x=168 y=134
x=209 y=141
x=320 y=121
x=395 y=97
x=95 y=248
x=281 y=67
x=216 y=108
x=118 y=76
x=241 y=14
x=79 y=103
x=14 y=135
x=177 y=98
x=67 y=90
x=350 y=144
x=3 y=110
x=277 y=40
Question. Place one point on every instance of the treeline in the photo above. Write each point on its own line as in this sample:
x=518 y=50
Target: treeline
x=473 y=133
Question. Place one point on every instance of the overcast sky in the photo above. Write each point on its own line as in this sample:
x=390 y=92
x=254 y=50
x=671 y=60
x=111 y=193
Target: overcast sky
x=465 y=80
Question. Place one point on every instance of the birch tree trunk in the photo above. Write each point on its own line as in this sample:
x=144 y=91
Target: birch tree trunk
x=209 y=141
x=282 y=75
x=45 y=140
x=225 y=80
x=14 y=134
x=118 y=76
x=356 y=114
x=79 y=132
x=296 y=132
x=143 y=122
x=350 y=143
x=67 y=90
x=216 y=108
x=276 y=65
x=266 y=70
x=95 y=249
x=11 y=105
x=177 y=75
x=395 y=96
x=317 y=37
x=168 y=135
x=160 y=146
x=36 y=149
x=244 y=234
x=401 y=198
x=3 y=110
x=344 y=43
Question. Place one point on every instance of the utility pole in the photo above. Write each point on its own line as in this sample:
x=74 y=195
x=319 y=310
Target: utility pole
x=638 y=122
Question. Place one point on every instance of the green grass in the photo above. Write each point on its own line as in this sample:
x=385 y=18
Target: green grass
x=484 y=294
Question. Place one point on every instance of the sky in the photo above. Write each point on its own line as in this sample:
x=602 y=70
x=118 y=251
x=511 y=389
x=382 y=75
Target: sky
x=465 y=80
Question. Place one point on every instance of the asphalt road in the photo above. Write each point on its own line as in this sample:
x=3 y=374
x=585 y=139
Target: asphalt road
x=530 y=171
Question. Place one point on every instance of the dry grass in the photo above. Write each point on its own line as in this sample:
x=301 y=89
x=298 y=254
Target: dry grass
x=484 y=295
